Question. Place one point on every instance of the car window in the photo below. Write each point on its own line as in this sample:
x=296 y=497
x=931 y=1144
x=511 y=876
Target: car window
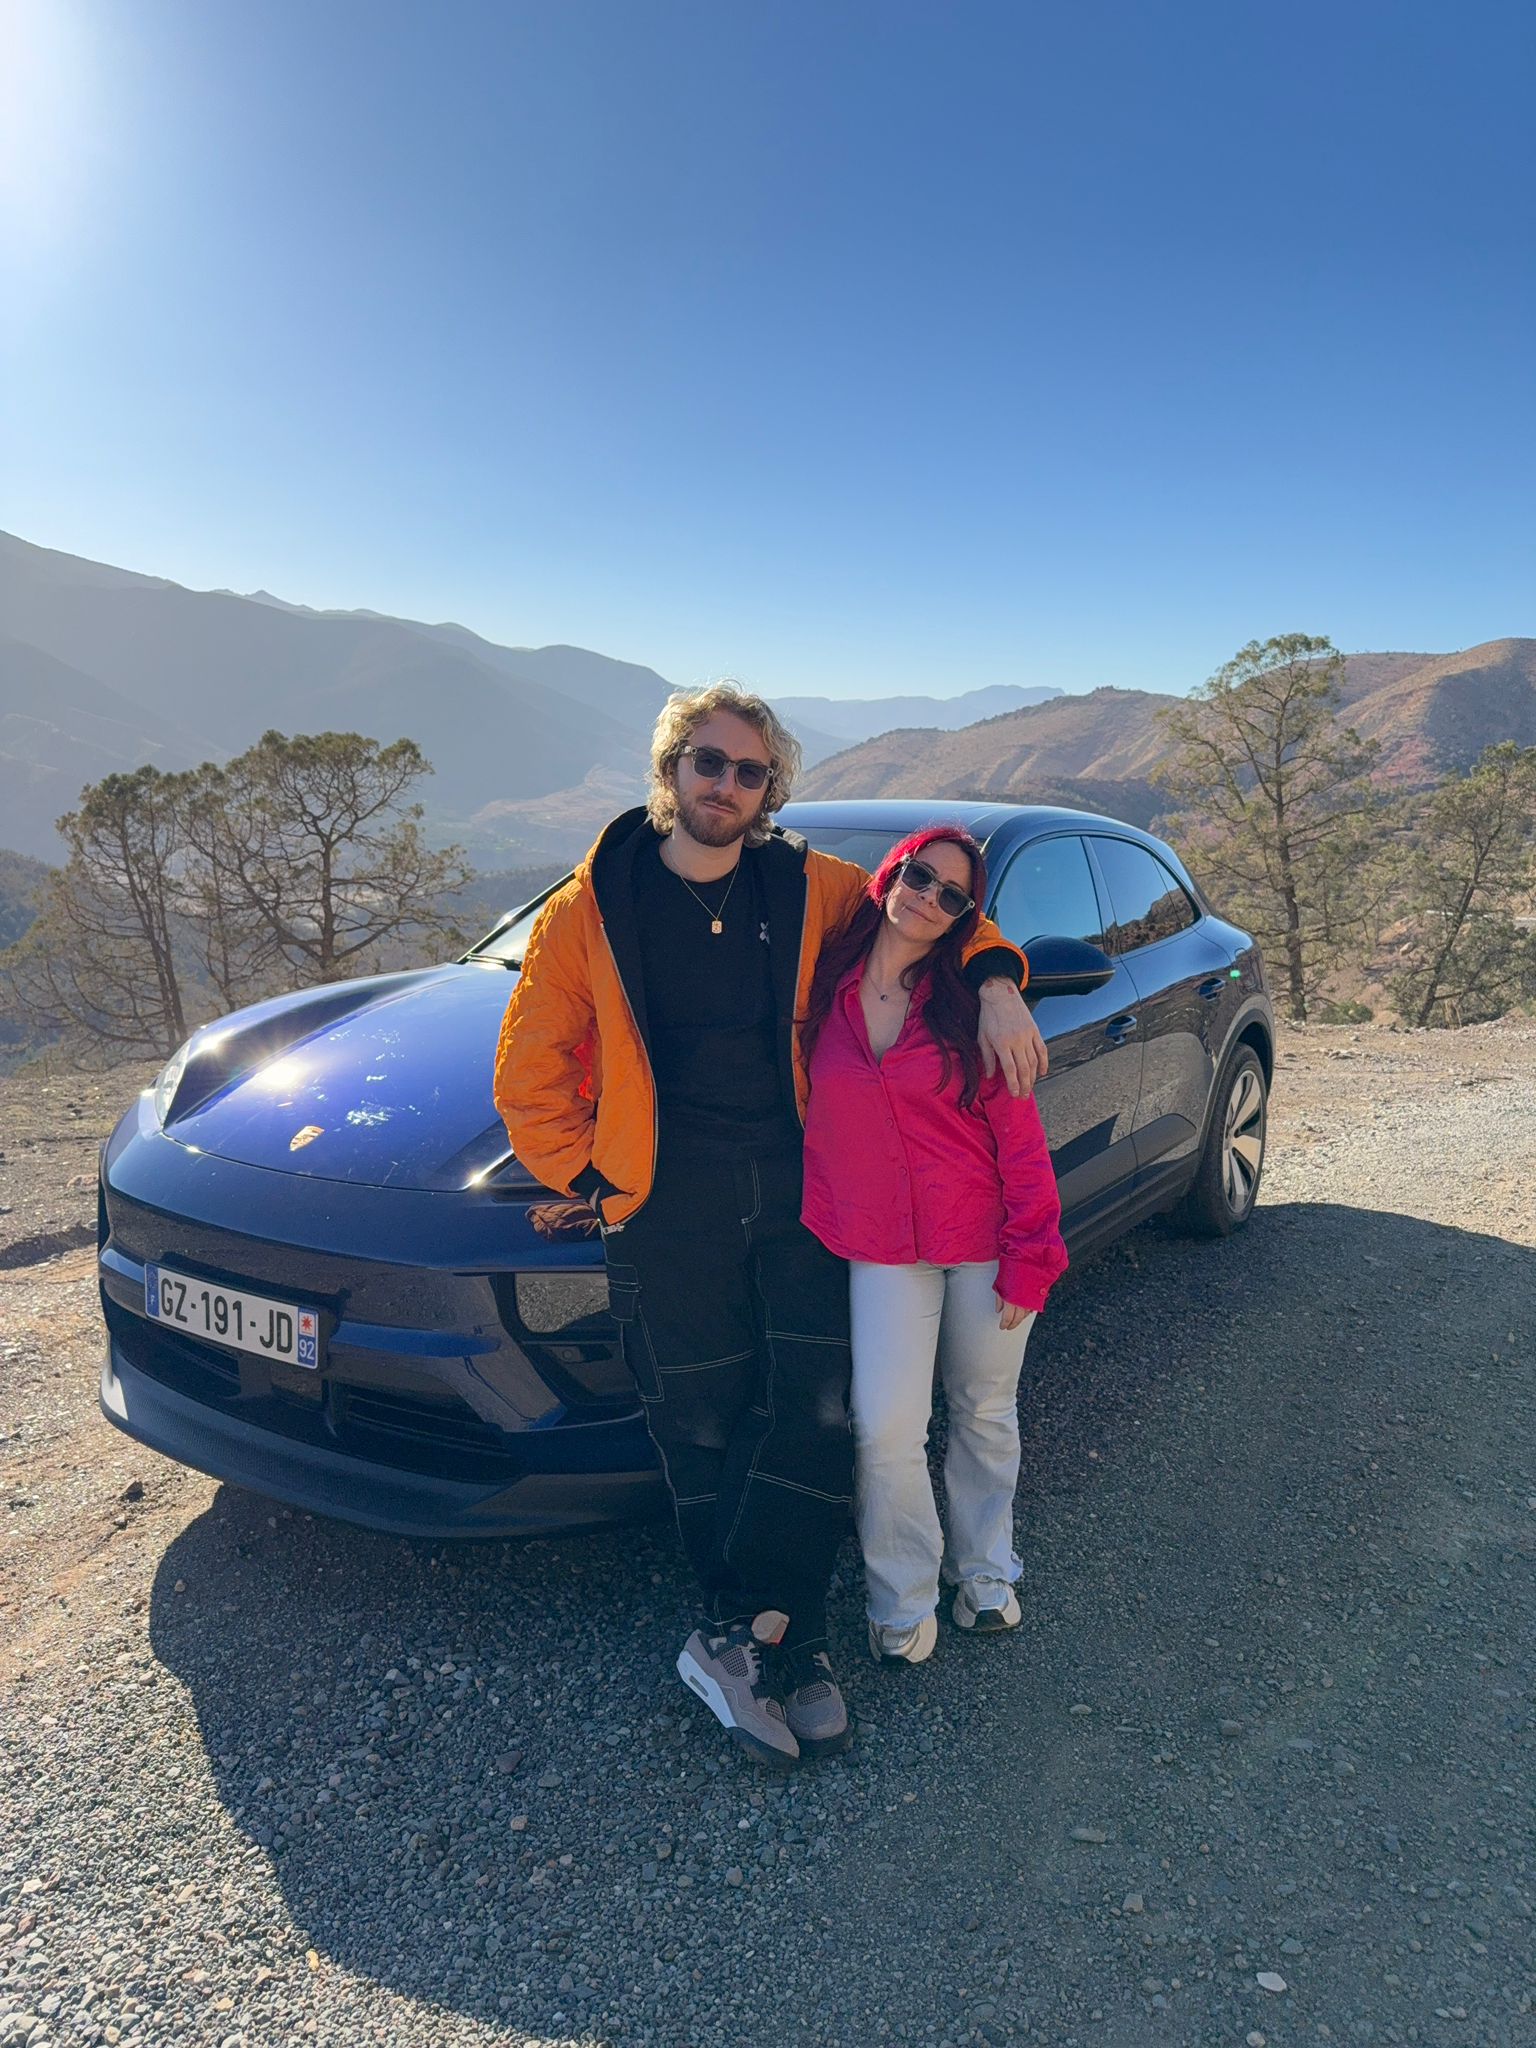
x=1148 y=903
x=868 y=845
x=1047 y=892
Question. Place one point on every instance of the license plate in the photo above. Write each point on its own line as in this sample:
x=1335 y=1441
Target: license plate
x=224 y=1315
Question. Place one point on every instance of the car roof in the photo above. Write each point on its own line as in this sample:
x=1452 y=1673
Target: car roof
x=978 y=816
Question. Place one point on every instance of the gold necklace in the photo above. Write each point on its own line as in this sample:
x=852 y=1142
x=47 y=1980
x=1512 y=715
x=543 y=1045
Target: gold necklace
x=715 y=917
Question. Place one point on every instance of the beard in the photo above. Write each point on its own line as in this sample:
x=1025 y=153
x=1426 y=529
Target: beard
x=710 y=827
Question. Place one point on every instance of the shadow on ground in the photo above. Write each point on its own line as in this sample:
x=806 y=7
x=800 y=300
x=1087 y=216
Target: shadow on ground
x=1274 y=1672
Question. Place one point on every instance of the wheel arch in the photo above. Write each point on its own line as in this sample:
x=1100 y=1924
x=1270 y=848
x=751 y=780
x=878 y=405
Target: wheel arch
x=1257 y=1034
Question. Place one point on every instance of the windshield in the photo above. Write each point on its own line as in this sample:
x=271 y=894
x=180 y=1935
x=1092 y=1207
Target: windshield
x=866 y=844
x=506 y=944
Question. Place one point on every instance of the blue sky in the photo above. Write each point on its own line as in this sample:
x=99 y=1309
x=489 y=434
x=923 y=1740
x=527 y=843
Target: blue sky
x=844 y=347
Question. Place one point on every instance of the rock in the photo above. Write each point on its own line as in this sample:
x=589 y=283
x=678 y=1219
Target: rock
x=1082 y=1709
x=1256 y=2039
x=1292 y=1947
x=734 y=1875
x=1231 y=1727
x=1133 y=1903
x=1270 y=1980
x=549 y=1780
x=508 y=1761
x=134 y=1490
x=1086 y=1834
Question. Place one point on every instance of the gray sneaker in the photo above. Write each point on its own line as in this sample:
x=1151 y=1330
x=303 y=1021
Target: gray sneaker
x=813 y=1704
x=726 y=1671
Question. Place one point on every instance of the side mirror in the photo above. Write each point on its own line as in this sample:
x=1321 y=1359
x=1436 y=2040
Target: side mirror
x=1065 y=967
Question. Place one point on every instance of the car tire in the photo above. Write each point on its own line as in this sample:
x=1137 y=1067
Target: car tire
x=1221 y=1196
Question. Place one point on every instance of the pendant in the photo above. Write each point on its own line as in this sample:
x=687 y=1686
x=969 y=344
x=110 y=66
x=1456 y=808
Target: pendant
x=716 y=926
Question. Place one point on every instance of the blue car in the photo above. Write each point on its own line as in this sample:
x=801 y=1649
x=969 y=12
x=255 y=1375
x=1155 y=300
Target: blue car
x=325 y=1276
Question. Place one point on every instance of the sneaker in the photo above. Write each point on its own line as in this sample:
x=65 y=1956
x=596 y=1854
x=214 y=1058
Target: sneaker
x=985 y=1606
x=813 y=1703
x=913 y=1645
x=726 y=1671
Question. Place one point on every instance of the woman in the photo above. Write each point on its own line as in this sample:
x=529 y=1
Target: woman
x=936 y=1185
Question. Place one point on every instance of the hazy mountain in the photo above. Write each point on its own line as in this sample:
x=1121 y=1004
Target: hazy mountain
x=1106 y=736
x=104 y=668
x=60 y=729
x=217 y=670
x=826 y=725
x=1430 y=712
x=156 y=672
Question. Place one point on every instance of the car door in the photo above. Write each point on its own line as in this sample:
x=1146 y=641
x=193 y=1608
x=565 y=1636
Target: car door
x=1179 y=974
x=1088 y=1100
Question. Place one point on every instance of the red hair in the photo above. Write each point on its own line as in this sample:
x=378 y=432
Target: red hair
x=952 y=1006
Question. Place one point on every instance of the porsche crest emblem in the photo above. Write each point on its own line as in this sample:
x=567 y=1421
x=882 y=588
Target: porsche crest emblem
x=305 y=1137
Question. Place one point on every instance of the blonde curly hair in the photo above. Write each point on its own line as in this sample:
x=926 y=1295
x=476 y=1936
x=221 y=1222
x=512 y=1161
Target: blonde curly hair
x=681 y=717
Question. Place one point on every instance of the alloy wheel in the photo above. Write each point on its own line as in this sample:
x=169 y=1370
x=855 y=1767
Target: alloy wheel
x=1242 y=1151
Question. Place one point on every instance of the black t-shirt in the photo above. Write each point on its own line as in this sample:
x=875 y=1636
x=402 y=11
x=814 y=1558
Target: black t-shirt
x=709 y=1005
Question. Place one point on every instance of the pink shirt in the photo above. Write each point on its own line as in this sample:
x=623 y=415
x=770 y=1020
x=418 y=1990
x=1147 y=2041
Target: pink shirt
x=896 y=1172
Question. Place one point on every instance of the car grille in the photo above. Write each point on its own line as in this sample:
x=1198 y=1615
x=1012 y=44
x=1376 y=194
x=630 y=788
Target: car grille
x=416 y=1422
x=560 y=1321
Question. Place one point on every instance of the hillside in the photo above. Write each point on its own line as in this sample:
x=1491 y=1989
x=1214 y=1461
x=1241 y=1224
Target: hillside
x=1107 y=736
x=104 y=668
x=1430 y=713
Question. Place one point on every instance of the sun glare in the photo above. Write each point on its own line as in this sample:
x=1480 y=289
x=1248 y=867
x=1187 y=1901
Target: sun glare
x=46 y=69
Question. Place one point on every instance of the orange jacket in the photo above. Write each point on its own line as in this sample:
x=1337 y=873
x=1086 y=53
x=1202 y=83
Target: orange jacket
x=573 y=1078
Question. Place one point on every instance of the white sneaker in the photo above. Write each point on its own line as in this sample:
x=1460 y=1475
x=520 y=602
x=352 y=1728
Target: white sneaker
x=913 y=1645
x=985 y=1606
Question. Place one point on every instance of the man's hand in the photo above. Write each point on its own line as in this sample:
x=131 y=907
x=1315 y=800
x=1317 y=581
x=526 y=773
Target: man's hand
x=1008 y=1034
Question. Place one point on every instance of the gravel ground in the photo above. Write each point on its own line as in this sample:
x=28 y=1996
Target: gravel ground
x=1256 y=1769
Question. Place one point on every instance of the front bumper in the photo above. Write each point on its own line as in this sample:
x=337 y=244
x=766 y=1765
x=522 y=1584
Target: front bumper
x=535 y=1500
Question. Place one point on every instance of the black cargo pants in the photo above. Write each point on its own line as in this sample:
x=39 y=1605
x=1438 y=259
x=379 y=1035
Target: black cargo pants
x=735 y=1326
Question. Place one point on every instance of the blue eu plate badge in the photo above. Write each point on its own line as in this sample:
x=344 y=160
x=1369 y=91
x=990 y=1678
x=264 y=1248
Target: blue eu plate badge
x=309 y=1334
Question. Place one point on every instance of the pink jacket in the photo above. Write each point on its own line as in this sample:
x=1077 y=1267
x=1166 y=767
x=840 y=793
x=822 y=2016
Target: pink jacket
x=897 y=1172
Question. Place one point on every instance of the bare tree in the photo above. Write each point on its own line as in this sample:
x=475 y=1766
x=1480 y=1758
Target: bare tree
x=103 y=959
x=190 y=894
x=322 y=853
x=1470 y=867
x=1276 y=800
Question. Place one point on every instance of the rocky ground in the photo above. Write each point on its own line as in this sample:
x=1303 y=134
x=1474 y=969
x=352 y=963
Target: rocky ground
x=1257 y=1768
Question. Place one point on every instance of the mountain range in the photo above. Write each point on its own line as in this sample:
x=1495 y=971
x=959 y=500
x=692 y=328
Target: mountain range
x=1429 y=714
x=104 y=668
x=534 y=747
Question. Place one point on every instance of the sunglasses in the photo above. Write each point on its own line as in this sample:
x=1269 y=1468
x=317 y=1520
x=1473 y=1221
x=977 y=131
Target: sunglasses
x=917 y=876
x=711 y=763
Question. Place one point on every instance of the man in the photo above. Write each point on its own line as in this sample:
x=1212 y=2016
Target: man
x=648 y=1063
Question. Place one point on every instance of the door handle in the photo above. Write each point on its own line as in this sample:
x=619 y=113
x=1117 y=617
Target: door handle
x=1119 y=1029
x=1212 y=986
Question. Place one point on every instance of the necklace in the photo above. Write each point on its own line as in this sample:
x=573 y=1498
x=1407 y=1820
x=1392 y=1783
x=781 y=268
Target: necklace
x=716 y=916
x=885 y=994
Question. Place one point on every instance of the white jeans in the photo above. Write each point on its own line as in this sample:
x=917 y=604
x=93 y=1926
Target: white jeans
x=905 y=1317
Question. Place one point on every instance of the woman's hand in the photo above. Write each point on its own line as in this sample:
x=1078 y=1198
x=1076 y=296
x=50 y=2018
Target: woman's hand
x=1010 y=1315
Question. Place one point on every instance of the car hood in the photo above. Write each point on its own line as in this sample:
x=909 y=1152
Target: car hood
x=392 y=1088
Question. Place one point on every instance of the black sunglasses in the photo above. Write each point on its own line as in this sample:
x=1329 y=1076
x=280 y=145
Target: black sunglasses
x=920 y=878
x=711 y=763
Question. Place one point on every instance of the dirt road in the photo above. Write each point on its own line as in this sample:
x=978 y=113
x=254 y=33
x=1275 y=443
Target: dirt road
x=1268 y=1723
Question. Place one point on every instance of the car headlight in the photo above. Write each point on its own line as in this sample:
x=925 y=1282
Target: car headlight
x=169 y=1081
